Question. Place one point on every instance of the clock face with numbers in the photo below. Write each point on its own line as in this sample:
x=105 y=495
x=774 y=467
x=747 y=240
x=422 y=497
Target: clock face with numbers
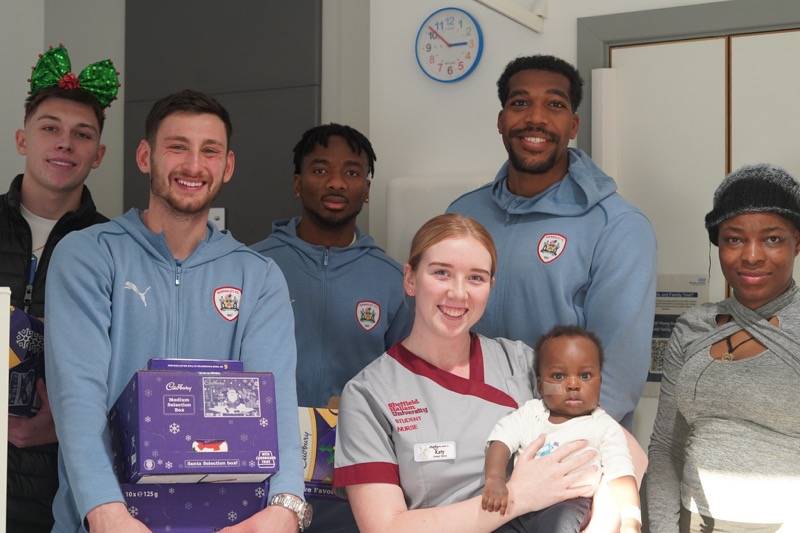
x=449 y=45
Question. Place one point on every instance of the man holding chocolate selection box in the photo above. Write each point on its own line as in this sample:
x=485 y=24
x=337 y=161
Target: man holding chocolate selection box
x=151 y=283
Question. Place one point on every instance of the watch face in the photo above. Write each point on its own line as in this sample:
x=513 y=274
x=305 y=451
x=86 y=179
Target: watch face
x=449 y=45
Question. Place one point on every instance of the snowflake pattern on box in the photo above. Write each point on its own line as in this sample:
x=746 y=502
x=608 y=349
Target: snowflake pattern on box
x=194 y=507
x=27 y=339
x=168 y=465
x=168 y=430
x=133 y=511
x=236 y=397
x=260 y=492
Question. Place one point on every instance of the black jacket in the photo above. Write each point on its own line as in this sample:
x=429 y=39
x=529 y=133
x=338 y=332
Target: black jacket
x=32 y=472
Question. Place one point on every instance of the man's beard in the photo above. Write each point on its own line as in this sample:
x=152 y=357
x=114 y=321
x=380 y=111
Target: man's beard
x=161 y=189
x=534 y=168
x=331 y=223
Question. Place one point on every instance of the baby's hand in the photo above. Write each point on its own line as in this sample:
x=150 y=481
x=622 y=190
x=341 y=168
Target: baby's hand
x=495 y=496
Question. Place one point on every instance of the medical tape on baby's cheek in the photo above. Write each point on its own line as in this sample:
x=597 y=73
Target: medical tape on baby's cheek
x=552 y=389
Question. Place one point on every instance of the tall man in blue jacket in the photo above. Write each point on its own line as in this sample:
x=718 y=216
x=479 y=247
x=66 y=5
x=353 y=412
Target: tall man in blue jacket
x=148 y=283
x=347 y=294
x=570 y=249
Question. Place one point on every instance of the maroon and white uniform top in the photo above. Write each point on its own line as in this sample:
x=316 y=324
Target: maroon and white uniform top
x=406 y=422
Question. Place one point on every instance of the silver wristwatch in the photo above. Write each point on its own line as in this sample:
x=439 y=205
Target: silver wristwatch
x=293 y=503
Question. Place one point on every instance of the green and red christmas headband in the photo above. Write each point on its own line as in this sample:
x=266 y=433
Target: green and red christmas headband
x=55 y=70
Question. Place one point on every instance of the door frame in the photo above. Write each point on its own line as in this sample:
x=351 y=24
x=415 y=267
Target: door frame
x=596 y=35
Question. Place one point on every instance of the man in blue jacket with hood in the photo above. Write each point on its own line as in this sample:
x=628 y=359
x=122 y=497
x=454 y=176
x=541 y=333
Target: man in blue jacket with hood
x=570 y=249
x=150 y=283
x=347 y=294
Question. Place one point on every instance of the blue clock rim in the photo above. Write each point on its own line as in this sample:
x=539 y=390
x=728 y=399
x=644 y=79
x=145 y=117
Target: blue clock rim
x=477 y=57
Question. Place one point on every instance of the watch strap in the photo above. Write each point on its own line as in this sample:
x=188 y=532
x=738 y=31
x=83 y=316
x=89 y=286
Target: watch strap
x=296 y=504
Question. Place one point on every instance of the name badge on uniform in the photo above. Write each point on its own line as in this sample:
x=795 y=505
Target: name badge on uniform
x=434 y=451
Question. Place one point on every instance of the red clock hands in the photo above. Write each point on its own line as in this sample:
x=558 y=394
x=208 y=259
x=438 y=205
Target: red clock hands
x=444 y=40
x=439 y=36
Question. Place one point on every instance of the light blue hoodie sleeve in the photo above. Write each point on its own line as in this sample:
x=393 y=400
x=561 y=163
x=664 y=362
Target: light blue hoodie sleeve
x=401 y=324
x=620 y=306
x=268 y=345
x=77 y=356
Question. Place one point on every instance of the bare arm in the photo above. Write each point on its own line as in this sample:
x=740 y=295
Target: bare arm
x=606 y=507
x=626 y=498
x=534 y=485
x=495 y=493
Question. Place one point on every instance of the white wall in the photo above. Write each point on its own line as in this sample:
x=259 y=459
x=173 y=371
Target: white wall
x=21 y=39
x=421 y=128
x=93 y=30
x=27 y=27
x=345 y=68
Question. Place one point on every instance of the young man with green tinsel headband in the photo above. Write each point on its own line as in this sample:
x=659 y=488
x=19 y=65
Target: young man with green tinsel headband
x=60 y=140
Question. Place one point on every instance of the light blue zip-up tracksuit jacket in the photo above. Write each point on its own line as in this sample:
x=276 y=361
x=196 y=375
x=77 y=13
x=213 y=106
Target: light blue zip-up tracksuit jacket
x=115 y=298
x=575 y=254
x=349 y=307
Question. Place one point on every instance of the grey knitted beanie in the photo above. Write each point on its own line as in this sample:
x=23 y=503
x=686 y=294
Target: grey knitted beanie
x=759 y=188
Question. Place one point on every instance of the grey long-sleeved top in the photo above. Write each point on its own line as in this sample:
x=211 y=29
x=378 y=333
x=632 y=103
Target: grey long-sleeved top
x=726 y=441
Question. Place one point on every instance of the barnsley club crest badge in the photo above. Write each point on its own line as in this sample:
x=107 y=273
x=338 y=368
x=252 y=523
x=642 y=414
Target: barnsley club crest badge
x=550 y=246
x=226 y=301
x=368 y=314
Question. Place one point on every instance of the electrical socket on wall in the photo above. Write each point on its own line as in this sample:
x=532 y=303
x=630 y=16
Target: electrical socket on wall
x=217 y=216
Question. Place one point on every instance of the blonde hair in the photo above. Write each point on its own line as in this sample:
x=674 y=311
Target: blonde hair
x=449 y=226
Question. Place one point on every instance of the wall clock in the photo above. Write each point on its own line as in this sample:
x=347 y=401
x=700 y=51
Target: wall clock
x=449 y=45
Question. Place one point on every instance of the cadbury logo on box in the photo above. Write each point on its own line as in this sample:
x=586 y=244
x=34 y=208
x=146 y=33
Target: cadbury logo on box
x=178 y=386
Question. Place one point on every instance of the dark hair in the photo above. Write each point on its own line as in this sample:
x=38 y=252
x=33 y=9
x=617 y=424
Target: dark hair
x=319 y=135
x=185 y=101
x=568 y=331
x=542 y=62
x=80 y=96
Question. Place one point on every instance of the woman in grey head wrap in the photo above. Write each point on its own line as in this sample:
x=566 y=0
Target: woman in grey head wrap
x=725 y=450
